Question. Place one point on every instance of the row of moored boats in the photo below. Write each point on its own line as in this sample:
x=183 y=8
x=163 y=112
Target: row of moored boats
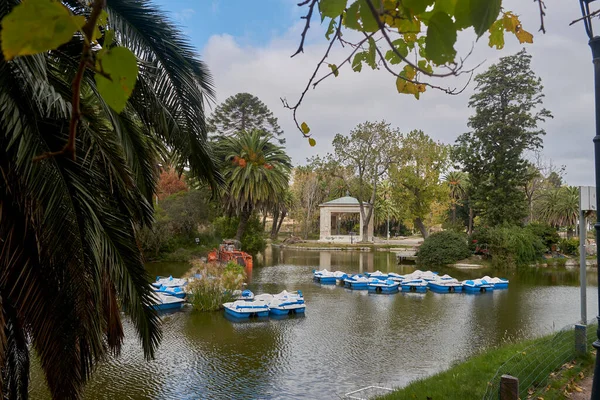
x=417 y=281
x=263 y=305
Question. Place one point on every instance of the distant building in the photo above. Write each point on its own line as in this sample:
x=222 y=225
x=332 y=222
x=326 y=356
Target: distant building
x=334 y=212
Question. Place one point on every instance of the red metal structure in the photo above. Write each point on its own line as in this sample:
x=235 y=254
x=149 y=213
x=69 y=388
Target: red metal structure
x=229 y=251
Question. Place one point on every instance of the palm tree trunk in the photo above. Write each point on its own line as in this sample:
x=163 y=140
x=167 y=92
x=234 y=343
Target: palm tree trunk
x=244 y=217
x=454 y=213
x=419 y=224
x=264 y=222
x=283 y=214
x=274 y=225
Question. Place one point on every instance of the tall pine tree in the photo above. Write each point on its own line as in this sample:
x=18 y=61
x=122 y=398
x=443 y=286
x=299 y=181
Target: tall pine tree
x=244 y=112
x=505 y=125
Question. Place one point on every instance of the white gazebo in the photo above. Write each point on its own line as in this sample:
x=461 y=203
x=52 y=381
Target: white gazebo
x=331 y=214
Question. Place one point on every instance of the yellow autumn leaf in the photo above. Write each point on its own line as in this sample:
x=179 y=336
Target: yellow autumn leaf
x=312 y=142
x=524 y=36
x=410 y=72
x=305 y=128
x=400 y=84
x=577 y=388
x=510 y=22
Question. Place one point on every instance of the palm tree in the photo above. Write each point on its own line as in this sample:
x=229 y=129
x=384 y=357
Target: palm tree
x=559 y=207
x=457 y=181
x=69 y=258
x=256 y=173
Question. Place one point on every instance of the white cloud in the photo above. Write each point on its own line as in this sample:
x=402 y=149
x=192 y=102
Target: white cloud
x=184 y=15
x=561 y=58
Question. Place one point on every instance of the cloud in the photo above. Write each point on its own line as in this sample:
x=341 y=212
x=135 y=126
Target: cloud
x=184 y=15
x=561 y=58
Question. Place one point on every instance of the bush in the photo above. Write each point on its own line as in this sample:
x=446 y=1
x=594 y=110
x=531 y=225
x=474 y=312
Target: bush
x=212 y=284
x=548 y=234
x=569 y=247
x=480 y=240
x=443 y=248
x=512 y=246
x=253 y=240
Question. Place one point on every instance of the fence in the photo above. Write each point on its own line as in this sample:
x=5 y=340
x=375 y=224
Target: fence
x=533 y=364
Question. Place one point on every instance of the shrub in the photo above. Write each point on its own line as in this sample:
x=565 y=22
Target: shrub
x=548 y=234
x=512 y=246
x=212 y=284
x=443 y=248
x=479 y=241
x=253 y=240
x=569 y=247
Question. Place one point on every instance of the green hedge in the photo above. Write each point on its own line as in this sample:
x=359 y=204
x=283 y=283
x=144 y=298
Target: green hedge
x=513 y=246
x=443 y=248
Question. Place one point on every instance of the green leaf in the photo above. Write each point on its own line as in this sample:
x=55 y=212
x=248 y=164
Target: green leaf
x=441 y=36
x=109 y=37
x=330 y=29
x=483 y=14
x=102 y=21
x=371 y=55
x=417 y=6
x=36 y=26
x=351 y=17
x=445 y=6
x=425 y=66
x=332 y=8
x=121 y=65
x=305 y=128
x=312 y=142
x=334 y=69
x=369 y=21
x=462 y=14
x=497 y=35
x=358 y=60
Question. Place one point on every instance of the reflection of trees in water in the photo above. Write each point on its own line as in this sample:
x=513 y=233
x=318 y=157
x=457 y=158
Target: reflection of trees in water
x=233 y=357
x=554 y=277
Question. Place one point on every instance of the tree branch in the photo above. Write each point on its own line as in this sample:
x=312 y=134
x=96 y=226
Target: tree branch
x=590 y=15
x=86 y=57
x=307 y=17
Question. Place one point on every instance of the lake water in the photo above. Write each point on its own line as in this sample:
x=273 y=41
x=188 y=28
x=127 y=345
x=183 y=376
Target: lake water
x=346 y=340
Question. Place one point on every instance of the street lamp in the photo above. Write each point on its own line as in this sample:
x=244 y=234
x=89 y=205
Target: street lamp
x=595 y=45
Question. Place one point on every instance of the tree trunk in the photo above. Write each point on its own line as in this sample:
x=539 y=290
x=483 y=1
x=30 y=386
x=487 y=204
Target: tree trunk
x=264 y=223
x=419 y=224
x=274 y=226
x=283 y=214
x=244 y=217
x=365 y=232
x=570 y=233
x=307 y=224
x=470 y=221
x=454 y=213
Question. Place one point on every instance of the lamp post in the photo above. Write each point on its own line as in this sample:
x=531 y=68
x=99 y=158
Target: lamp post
x=595 y=45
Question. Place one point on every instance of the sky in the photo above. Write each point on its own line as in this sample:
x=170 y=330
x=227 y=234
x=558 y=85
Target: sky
x=247 y=46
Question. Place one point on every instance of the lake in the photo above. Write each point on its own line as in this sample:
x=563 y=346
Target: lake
x=346 y=340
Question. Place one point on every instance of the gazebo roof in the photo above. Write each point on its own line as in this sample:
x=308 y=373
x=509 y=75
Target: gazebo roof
x=342 y=201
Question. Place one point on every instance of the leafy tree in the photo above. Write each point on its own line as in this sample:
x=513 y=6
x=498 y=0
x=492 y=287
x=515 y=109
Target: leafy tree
x=416 y=176
x=244 y=112
x=367 y=153
x=443 y=248
x=413 y=40
x=560 y=207
x=252 y=239
x=69 y=254
x=457 y=182
x=386 y=209
x=505 y=126
x=256 y=173
x=170 y=182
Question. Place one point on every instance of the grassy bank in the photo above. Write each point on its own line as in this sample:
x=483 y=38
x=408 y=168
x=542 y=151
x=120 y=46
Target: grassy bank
x=470 y=379
x=347 y=246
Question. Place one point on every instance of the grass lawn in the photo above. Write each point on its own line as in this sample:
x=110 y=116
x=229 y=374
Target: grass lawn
x=536 y=363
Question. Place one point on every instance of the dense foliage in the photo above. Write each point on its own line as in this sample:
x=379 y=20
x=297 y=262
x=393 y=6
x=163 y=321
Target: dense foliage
x=511 y=246
x=443 y=248
x=505 y=125
x=69 y=254
x=252 y=240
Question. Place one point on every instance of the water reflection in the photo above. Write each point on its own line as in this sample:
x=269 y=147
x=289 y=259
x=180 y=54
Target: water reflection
x=347 y=339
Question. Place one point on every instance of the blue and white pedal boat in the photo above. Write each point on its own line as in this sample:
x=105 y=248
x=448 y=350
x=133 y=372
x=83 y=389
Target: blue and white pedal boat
x=247 y=309
x=357 y=282
x=164 y=302
x=377 y=275
x=382 y=286
x=339 y=277
x=396 y=277
x=285 y=303
x=169 y=282
x=243 y=294
x=325 y=277
x=445 y=284
x=477 y=286
x=414 y=285
x=176 y=291
x=499 y=283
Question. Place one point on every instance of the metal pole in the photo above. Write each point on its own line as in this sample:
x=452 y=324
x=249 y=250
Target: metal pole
x=595 y=45
x=582 y=266
x=388 y=225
